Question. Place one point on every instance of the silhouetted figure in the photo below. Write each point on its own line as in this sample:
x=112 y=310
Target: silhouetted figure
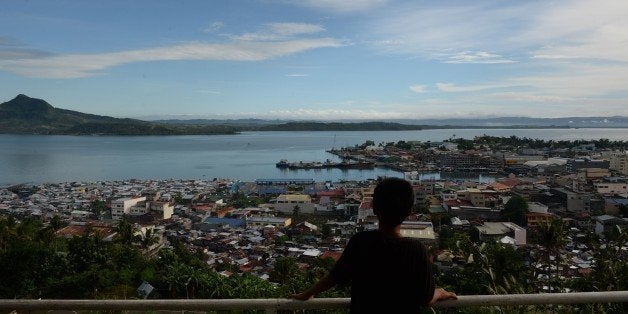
x=387 y=273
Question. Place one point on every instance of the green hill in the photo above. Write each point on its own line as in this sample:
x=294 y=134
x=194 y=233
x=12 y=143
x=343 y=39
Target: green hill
x=26 y=115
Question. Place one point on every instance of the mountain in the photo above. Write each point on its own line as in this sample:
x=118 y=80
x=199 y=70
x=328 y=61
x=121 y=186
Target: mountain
x=26 y=115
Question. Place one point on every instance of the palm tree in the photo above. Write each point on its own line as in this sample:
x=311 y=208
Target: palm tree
x=124 y=231
x=550 y=236
x=147 y=239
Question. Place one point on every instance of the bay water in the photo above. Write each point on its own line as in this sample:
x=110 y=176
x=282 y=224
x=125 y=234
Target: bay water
x=246 y=156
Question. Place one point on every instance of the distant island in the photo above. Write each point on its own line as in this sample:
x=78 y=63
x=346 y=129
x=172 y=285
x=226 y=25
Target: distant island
x=26 y=115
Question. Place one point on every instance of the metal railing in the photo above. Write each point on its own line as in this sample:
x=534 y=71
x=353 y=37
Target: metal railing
x=273 y=305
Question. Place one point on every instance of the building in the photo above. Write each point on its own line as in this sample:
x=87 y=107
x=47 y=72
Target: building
x=472 y=212
x=422 y=230
x=605 y=223
x=618 y=161
x=365 y=211
x=164 y=209
x=496 y=231
x=122 y=206
x=611 y=188
x=263 y=221
x=536 y=207
x=615 y=205
x=286 y=203
x=534 y=219
x=280 y=186
x=573 y=165
x=479 y=198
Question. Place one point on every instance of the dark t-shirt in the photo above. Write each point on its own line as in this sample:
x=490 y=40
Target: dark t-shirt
x=387 y=275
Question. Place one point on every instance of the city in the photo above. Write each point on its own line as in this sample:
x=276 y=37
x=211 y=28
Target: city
x=545 y=224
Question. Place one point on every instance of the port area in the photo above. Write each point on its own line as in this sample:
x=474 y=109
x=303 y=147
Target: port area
x=345 y=164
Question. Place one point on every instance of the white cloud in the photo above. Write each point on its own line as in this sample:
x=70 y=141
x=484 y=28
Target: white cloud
x=83 y=65
x=579 y=80
x=280 y=31
x=207 y=91
x=342 y=6
x=453 y=88
x=328 y=114
x=213 y=27
x=526 y=97
x=296 y=75
x=482 y=57
x=418 y=88
x=289 y=29
x=435 y=30
x=580 y=29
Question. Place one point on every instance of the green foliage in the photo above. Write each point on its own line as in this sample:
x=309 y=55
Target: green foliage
x=25 y=115
x=239 y=200
x=340 y=126
x=98 y=207
x=325 y=231
x=464 y=144
x=283 y=270
x=515 y=210
x=491 y=268
x=495 y=142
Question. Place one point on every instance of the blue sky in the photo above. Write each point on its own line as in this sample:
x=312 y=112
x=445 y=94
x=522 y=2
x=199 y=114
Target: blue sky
x=325 y=59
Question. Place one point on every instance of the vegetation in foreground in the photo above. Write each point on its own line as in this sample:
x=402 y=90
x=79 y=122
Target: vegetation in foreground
x=36 y=264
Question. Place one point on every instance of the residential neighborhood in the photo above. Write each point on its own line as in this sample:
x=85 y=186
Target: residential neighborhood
x=244 y=227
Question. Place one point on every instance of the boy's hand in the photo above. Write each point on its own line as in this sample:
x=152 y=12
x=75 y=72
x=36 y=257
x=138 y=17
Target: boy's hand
x=442 y=294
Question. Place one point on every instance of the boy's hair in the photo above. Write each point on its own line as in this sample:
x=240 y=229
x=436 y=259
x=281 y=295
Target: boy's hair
x=392 y=200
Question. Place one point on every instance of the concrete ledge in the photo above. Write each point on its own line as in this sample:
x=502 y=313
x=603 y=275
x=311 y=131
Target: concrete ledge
x=316 y=303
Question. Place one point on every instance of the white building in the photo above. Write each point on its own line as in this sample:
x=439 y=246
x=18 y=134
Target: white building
x=122 y=206
x=286 y=203
x=165 y=209
x=611 y=188
x=619 y=162
x=423 y=230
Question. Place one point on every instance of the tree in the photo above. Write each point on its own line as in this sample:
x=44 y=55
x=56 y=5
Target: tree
x=98 y=207
x=147 y=239
x=296 y=211
x=326 y=231
x=283 y=269
x=515 y=210
x=125 y=231
x=550 y=235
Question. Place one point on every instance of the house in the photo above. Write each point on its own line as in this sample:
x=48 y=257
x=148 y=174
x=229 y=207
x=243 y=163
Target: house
x=365 y=211
x=286 y=203
x=604 y=223
x=422 y=230
x=615 y=205
x=496 y=231
x=534 y=219
x=263 y=221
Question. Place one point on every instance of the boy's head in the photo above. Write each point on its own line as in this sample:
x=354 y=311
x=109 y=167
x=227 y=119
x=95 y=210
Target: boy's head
x=392 y=201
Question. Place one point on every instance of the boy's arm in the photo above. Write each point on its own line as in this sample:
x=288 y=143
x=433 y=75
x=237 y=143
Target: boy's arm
x=442 y=294
x=322 y=285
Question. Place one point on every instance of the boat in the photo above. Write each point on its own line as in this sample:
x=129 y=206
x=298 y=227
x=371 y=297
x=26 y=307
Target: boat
x=283 y=164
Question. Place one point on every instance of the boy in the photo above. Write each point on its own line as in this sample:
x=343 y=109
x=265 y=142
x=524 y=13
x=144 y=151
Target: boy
x=388 y=273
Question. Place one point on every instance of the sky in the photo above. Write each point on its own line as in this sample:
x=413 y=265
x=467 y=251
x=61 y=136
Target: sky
x=318 y=59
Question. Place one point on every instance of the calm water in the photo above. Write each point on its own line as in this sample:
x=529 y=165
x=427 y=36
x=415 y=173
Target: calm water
x=247 y=156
